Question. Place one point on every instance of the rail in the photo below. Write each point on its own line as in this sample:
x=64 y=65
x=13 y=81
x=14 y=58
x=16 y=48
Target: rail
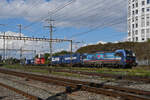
x=112 y=91
x=31 y=97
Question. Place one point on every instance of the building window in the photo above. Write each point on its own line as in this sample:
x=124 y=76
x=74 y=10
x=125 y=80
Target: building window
x=132 y=12
x=143 y=24
x=129 y=28
x=129 y=14
x=143 y=3
x=147 y=23
x=148 y=1
x=148 y=33
x=132 y=25
x=147 y=16
x=143 y=10
x=136 y=11
x=132 y=32
x=133 y=39
x=147 y=30
x=129 y=39
x=129 y=1
x=136 y=4
x=136 y=38
x=129 y=34
x=136 y=32
x=136 y=18
x=143 y=21
x=129 y=8
x=132 y=5
x=143 y=17
x=133 y=19
x=136 y=25
x=148 y=9
x=143 y=33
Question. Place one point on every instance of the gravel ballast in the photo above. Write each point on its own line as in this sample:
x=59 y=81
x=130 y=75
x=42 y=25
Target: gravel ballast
x=52 y=90
x=6 y=94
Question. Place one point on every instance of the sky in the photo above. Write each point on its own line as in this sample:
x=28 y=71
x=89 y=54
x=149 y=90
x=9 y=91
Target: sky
x=86 y=21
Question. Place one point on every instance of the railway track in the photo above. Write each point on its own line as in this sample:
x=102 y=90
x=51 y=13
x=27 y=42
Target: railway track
x=103 y=75
x=74 y=85
x=29 y=96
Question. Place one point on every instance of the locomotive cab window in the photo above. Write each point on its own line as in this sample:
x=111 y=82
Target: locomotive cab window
x=119 y=54
x=84 y=57
x=129 y=53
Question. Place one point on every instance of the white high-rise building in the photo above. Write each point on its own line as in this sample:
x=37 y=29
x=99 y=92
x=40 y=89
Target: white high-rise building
x=138 y=20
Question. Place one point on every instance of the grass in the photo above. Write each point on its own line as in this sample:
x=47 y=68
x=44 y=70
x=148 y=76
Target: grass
x=17 y=66
x=67 y=74
x=137 y=71
x=40 y=71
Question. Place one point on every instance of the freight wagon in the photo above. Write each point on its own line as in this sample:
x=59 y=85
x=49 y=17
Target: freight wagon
x=57 y=60
x=39 y=61
x=29 y=62
x=118 y=58
x=65 y=60
x=36 y=61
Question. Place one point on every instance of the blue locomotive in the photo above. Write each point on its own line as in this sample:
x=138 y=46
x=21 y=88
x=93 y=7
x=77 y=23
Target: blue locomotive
x=119 y=58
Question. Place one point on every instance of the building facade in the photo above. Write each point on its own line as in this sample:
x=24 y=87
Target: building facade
x=138 y=20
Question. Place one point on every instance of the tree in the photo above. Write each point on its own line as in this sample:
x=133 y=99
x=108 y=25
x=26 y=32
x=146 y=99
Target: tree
x=148 y=40
x=46 y=56
x=0 y=58
x=141 y=49
x=61 y=53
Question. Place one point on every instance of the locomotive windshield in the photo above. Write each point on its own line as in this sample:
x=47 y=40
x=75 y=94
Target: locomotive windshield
x=119 y=54
x=129 y=53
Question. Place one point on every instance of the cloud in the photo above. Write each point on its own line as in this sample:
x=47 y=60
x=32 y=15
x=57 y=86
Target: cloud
x=81 y=13
x=101 y=42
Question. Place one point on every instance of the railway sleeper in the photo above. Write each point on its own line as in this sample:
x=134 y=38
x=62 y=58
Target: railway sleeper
x=86 y=88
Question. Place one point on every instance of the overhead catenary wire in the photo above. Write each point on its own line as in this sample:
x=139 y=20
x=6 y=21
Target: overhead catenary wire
x=95 y=28
x=52 y=12
x=98 y=27
x=85 y=7
x=105 y=16
x=84 y=12
x=32 y=31
x=33 y=5
x=77 y=21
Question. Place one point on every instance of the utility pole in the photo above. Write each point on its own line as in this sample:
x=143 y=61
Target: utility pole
x=51 y=34
x=20 y=31
x=21 y=53
x=4 y=48
x=71 y=54
x=71 y=50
